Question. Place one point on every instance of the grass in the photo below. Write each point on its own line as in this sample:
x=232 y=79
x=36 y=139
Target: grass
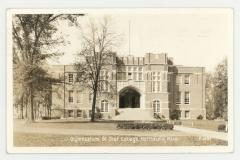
x=92 y=134
x=203 y=124
x=48 y=140
x=68 y=125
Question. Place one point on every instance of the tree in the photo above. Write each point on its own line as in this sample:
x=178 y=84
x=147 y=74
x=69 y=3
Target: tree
x=221 y=90
x=217 y=92
x=209 y=96
x=95 y=56
x=34 y=35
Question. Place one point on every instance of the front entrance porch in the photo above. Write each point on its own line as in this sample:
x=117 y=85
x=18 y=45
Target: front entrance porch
x=129 y=98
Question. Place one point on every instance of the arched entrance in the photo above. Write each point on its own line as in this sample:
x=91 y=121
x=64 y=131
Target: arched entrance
x=129 y=98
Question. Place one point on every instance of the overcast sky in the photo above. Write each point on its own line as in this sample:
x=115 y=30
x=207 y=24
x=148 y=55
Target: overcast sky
x=193 y=37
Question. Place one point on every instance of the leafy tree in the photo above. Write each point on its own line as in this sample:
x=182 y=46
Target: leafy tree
x=209 y=96
x=217 y=92
x=221 y=90
x=34 y=36
x=98 y=41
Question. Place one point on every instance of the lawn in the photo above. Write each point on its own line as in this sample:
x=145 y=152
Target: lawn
x=69 y=125
x=203 y=124
x=101 y=134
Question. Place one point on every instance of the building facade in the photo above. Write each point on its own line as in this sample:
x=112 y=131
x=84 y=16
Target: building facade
x=151 y=84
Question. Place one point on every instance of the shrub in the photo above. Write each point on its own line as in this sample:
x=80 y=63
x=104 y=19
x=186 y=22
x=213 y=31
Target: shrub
x=138 y=125
x=117 y=112
x=56 y=117
x=158 y=116
x=200 y=117
x=98 y=115
x=46 y=118
x=175 y=115
x=177 y=123
x=167 y=126
x=222 y=127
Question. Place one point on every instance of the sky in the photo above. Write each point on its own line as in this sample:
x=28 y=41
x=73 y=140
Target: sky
x=193 y=37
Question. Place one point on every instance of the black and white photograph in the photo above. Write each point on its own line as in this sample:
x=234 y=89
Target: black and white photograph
x=120 y=80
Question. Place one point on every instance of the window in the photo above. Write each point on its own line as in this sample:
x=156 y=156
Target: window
x=129 y=75
x=104 y=106
x=158 y=75
x=156 y=82
x=90 y=97
x=135 y=73
x=134 y=69
x=104 y=86
x=121 y=76
x=187 y=98
x=158 y=86
x=134 y=76
x=70 y=96
x=70 y=78
x=164 y=76
x=79 y=113
x=156 y=106
x=140 y=73
x=90 y=113
x=178 y=98
x=186 y=79
x=140 y=76
x=78 y=96
x=70 y=113
x=104 y=77
x=187 y=114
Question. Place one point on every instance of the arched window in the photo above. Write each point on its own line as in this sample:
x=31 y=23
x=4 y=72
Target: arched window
x=156 y=106
x=104 y=106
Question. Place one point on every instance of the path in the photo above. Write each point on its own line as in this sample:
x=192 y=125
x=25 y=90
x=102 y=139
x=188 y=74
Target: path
x=202 y=132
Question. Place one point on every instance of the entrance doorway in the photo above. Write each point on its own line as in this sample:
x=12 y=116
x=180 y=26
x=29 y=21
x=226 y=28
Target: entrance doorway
x=129 y=98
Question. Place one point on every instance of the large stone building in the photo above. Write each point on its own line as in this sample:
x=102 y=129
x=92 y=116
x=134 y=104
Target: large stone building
x=138 y=87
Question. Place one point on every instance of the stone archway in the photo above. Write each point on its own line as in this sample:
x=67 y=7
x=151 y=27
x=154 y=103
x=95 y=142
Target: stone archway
x=129 y=98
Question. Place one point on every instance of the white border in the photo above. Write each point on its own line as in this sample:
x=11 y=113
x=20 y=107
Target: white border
x=181 y=149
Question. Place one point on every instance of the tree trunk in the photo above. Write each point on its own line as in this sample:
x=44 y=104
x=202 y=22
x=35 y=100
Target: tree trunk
x=94 y=101
x=26 y=110
x=22 y=108
x=31 y=108
x=93 y=106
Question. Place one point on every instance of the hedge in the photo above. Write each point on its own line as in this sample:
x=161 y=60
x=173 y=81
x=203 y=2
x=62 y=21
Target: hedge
x=177 y=122
x=138 y=125
x=200 y=117
x=48 y=118
x=222 y=128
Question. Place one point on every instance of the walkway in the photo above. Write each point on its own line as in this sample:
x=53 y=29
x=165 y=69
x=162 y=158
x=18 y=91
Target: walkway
x=202 y=132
